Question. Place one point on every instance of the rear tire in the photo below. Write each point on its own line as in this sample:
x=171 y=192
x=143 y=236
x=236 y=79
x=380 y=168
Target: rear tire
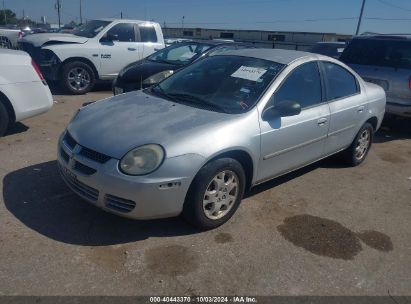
x=358 y=151
x=4 y=119
x=77 y=78
x=215 y=194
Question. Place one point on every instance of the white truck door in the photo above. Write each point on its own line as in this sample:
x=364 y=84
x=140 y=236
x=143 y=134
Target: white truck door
x=118 y=48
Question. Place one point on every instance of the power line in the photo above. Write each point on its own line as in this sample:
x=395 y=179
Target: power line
x=394 y=5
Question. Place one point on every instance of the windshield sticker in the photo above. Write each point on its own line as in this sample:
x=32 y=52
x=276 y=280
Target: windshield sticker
x=188 y=55
x=249 y=73
x=243 y=105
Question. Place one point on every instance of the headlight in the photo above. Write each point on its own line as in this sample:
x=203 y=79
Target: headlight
x=158 y=77
x=142 y=160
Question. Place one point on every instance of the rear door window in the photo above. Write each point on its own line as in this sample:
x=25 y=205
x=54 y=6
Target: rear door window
x=148 y=33
x=340 y=83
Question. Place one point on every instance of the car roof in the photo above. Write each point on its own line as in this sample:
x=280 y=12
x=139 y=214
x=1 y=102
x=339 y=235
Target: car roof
x=331 y=43
x=384 y=36
x=213 y=42
x=275 y=55
x=124 y=20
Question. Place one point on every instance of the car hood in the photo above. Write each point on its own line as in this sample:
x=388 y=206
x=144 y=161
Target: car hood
x=143 y=69
x=40 y=39
x=118 y=124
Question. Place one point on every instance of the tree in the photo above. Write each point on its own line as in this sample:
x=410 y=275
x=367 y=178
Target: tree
x=10 y=16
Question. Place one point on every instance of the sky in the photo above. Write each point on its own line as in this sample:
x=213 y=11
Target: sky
x=333 y=16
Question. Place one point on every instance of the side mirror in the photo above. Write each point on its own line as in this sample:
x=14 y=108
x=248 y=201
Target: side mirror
x=282 y=109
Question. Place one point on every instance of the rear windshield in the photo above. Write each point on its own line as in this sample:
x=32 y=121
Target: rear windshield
x=391 y=53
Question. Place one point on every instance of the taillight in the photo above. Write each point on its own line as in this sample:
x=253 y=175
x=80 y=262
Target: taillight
x=36 y=68
x=20 y=34
x=409 y=82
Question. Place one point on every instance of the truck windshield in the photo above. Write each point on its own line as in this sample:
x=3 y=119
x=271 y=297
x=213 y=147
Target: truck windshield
x=91 y=29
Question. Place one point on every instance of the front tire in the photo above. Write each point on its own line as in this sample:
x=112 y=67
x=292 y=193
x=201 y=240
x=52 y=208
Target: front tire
x=4 y=119
x=358 y=151
x=77 y=78
x=215 y=194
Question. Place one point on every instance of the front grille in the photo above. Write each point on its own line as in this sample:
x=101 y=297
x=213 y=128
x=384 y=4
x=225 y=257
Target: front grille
x=64 y=155
x=69 y=140
x=86 y=170
x=119 y=204
x=79 y=187
x=93 y=155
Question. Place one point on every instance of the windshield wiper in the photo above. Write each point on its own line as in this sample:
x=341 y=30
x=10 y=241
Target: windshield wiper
x=196 y=100
x=160 y=92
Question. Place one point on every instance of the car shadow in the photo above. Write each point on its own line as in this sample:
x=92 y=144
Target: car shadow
x=100 y=86
x=38 y=197
x=332 y=162
x=396 y=128
x=17 y=128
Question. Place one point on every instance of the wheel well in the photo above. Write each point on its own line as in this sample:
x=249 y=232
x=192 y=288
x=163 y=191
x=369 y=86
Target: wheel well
x=5 y=39
x=244 y=159
x=84 y=60
x=374 y=122
x=9 y=107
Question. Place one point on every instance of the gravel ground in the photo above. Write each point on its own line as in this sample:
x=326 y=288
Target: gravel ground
x=323 y=230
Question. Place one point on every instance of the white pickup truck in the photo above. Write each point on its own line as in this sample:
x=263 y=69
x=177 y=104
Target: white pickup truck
x=96 y=50
x=9 y=37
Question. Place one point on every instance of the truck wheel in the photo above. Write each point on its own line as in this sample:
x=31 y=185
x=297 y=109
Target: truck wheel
x=77 y=78
x=5 y=43
x=4 y=119
x=357 y=152
x=215 y=193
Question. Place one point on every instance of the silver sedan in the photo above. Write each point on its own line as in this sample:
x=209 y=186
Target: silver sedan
x=193 y=144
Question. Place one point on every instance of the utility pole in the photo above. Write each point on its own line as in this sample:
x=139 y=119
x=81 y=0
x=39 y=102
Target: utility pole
x=5 y=16
x=81 y=13
x=360 y=19
x=58 y=8
x=182 y=22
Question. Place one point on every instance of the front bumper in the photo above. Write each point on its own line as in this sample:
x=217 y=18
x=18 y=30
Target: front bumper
x=157 y=195
x=398 y=109
x=46 y=60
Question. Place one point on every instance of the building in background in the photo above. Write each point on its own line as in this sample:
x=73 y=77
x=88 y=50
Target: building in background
x=266 y=39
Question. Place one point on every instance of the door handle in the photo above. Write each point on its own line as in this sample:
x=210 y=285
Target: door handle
x=322 y=121
x=132 y=49
x=361 y=109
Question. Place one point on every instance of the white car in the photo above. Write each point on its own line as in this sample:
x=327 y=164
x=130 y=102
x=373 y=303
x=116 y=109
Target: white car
x=99 y=49
x=23 y=90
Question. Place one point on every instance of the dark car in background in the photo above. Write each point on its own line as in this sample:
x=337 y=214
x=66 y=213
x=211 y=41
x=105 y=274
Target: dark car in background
x=160 y=65
x=384 y=60
x=331 y=49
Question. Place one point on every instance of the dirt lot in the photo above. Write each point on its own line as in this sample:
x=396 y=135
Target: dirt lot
x=324 y=230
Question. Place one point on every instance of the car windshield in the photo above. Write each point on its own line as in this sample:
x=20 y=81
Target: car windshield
x=229 y=84
x=91 y=29
x=180 y=53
